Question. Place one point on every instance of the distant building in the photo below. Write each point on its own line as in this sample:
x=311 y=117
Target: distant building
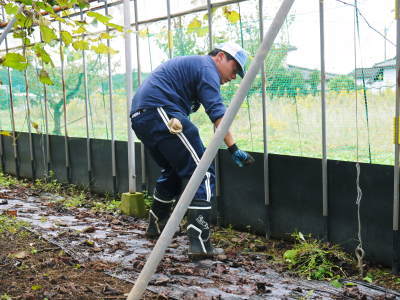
x=380 y=76
x=306 y=72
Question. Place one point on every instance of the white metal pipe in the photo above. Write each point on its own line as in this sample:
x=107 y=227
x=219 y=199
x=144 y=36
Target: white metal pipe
x=85 y=85
x=110 y=94
x=9 y=25
x=198 y=175
x=139 y=78
x=265 y=113
x=64 y=103
x=323 y=112
x=129 y=95
x=169 y=29
x=28 y=111
x=12 y=113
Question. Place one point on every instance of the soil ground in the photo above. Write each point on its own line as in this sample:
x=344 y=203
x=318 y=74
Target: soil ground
x=33 y=268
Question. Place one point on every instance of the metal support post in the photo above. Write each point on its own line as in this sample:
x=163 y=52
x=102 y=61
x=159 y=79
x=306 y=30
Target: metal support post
x=206 y=160
x=216 y=160
x=29 y=121
x=396 y=234
x=66 y=144
x=170 y=36
x=265 y=131
x=110 y=93
x=139 y=77
x=88 y=144
x=129 y=95
x=12 y=113
x=323 y=121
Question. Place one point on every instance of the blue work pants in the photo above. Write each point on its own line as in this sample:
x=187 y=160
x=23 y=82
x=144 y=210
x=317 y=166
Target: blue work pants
x=177 y=154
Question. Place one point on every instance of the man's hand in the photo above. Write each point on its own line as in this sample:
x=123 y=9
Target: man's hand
x=240 y=157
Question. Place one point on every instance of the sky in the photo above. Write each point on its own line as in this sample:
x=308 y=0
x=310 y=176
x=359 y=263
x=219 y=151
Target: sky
x=340 y=34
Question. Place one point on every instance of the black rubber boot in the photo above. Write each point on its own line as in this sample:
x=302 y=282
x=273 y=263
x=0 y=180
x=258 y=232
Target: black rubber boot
x=158 y=217
x=199 y=234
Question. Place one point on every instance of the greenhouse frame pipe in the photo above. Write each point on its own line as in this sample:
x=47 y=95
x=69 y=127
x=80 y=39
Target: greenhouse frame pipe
x=170 y=39
x=396 y=237
x=139 y=76
x=9 y=25
x=173 y=222
x=148 y=21
x=129 y=95
x=46 y=124
x=216 y=160
x=28 y=111
x=12 y=114
x=110 y=94
x=265 y=129
x=323 y=121
x=85 y=85
x=46 y=155
x=66 y=144
x=1 y=139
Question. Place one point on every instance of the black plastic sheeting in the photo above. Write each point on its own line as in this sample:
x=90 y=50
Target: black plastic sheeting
x=295 y=190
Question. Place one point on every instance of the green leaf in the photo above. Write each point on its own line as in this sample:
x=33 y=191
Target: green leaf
x=231 y=15
x=15 y=61
x=336 y=283
x=350 y=284
x=48 y=34
x=45 y=6
x=194 y=25
x=66 y=37
x=23 y=21
x=42 y=54
x=116 y=26
x=80 y=30
x=26 y=2
x=290 y=256
x=103 y=49
x=80 y=45
x=83 y=3
x=368 y=278
x=26 y=41
x=99 y=17
x=11 y=9
x=36 y=287
x=44 y=77
x=105 y=36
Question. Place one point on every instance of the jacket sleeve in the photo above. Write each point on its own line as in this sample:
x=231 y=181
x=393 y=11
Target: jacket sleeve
x=208 y=91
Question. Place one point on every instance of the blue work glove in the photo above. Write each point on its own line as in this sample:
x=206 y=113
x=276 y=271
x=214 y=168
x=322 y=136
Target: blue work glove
x=240 y=157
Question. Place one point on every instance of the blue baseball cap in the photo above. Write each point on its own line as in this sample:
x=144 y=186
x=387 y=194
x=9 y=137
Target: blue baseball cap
x=237 y=53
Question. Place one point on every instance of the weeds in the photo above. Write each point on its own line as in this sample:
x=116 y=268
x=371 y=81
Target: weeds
x=7 y=180
x=11 y=224
x=313 y=259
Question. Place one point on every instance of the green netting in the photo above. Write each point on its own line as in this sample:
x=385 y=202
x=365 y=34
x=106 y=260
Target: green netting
x=357 y=79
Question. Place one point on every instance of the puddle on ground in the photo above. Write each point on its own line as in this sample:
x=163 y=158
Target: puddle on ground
x=87 y=236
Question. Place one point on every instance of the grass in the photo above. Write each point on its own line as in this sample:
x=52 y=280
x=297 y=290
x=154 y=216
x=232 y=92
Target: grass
x=293 y=127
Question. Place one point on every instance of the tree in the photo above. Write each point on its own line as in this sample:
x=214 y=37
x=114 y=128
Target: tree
x=70 y=39
x=44 y=17
x=341 y=83
x=315 y=81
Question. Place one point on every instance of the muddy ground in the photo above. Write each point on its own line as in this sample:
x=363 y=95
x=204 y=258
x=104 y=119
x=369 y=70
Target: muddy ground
x=59 y=249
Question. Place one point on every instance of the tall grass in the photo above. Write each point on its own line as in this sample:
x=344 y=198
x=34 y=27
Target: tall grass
x=293 y=125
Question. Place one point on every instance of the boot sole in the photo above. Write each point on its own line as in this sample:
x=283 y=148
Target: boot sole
x=197 y=256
